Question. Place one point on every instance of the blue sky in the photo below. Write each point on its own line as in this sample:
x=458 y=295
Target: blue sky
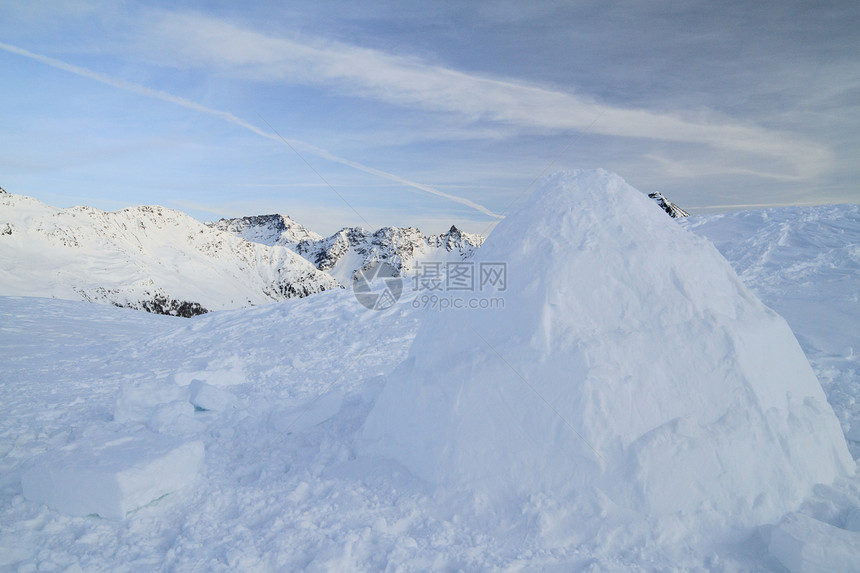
x=424 y=113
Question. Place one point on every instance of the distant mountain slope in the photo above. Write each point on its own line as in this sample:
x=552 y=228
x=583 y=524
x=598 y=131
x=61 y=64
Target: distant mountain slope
x=404 y=248
x=354 y=248
x=150 y=258
x=267 y=229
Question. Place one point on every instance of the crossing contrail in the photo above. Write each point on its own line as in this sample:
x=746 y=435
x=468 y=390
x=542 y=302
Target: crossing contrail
x=230 y=118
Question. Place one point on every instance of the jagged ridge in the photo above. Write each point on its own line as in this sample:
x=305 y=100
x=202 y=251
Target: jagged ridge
x=269 y=230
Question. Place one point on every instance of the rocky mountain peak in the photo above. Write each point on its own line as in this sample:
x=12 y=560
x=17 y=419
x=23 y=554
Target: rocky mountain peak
x=271 y=230
x=673 y=210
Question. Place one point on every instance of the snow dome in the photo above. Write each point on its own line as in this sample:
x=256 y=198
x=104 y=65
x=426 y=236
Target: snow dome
x=628 y=359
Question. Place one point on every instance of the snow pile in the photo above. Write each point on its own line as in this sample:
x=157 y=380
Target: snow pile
x=629 y=360
x=140 y=401
x=113 y=477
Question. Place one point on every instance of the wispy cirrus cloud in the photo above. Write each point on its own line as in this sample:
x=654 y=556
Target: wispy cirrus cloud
x=196 y=40
x=231 y=118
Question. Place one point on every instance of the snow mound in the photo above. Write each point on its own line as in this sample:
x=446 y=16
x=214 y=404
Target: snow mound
x=629 y=359
x=112 y=478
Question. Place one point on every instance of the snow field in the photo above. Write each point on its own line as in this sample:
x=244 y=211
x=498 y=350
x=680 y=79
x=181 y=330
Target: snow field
x=284 y=487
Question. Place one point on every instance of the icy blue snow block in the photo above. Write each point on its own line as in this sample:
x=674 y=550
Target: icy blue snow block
x=208 y=397
x=806 y=545
x=111 y=478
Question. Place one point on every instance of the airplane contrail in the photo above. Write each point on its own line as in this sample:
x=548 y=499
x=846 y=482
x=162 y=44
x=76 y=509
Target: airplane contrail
x=230 y=118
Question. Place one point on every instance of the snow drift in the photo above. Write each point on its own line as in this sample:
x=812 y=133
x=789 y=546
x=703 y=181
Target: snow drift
x=629 y=359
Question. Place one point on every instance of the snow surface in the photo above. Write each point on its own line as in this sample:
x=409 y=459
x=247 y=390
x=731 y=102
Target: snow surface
x=806 y=545
x=282 y=489
x=114 y=474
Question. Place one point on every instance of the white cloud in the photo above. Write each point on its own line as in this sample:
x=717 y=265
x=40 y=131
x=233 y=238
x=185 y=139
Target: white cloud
x=196 y=40
x=230 y=118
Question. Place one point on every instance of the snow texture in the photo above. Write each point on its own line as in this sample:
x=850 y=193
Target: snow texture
x=806 y=545
x=588 y=380
x=110 y=479
x=804 y=262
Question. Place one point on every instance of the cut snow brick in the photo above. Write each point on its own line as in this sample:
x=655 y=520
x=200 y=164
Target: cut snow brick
x=805 y=545
x=208 y=397
x=112 y=478
x=138 y=400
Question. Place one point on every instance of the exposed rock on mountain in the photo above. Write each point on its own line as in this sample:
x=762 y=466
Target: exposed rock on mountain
x=673 y=210
x=403 y=248
x=267 y=229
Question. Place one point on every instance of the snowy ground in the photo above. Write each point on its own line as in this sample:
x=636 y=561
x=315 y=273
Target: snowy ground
x=281 y=489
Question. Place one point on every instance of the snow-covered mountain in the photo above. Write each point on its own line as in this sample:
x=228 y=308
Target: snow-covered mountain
x=355 y=248
x=163 y=261
x=267 y=229
x=149 y=258
x=403 y=248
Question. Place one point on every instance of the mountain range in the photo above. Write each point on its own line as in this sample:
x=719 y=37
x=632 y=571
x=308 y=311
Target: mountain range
x=351 y=249
x=163 y=261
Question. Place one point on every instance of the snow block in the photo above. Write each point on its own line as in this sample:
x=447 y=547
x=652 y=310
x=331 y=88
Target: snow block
x=805 y=545
x=161 y=405
x=225 y=372
x=112 y=478
x=208 y=397
x=137 y=401
x=628 y=358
